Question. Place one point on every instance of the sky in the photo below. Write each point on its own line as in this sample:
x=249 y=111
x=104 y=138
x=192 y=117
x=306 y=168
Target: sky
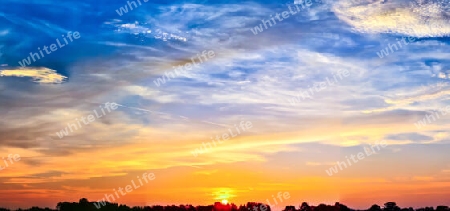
x=309 y=91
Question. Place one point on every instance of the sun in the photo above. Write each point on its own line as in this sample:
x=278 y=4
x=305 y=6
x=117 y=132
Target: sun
x=223 y=195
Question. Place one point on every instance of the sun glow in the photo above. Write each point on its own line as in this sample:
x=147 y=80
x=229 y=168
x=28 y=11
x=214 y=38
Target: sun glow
x=223 y=194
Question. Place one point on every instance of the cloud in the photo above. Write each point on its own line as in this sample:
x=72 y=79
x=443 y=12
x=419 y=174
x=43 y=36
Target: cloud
x=39 y=75
x=418 y=18
x=409 y=137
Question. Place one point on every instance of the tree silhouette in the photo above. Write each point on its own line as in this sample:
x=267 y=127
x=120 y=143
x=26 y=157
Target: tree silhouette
x=375 y=207
x=391 y=206
x=305 y=207
x=442 y=208
x=84 y=205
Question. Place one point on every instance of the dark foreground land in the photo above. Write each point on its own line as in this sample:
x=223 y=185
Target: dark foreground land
x=85 y=205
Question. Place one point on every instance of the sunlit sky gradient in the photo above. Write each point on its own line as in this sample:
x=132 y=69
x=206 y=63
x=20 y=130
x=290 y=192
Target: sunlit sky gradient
x=251 y=78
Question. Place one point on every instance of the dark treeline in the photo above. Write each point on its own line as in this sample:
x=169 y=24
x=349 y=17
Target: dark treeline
x=85 y=205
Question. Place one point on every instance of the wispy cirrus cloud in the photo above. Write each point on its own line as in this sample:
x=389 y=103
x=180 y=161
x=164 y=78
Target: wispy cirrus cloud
x=39 y=75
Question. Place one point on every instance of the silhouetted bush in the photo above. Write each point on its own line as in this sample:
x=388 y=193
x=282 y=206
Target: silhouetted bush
x=84 y=205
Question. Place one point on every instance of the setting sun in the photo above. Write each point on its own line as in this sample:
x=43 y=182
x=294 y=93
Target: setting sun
x=224 y=201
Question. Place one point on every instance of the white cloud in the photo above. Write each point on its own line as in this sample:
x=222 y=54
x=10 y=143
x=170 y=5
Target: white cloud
x=413 y=19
